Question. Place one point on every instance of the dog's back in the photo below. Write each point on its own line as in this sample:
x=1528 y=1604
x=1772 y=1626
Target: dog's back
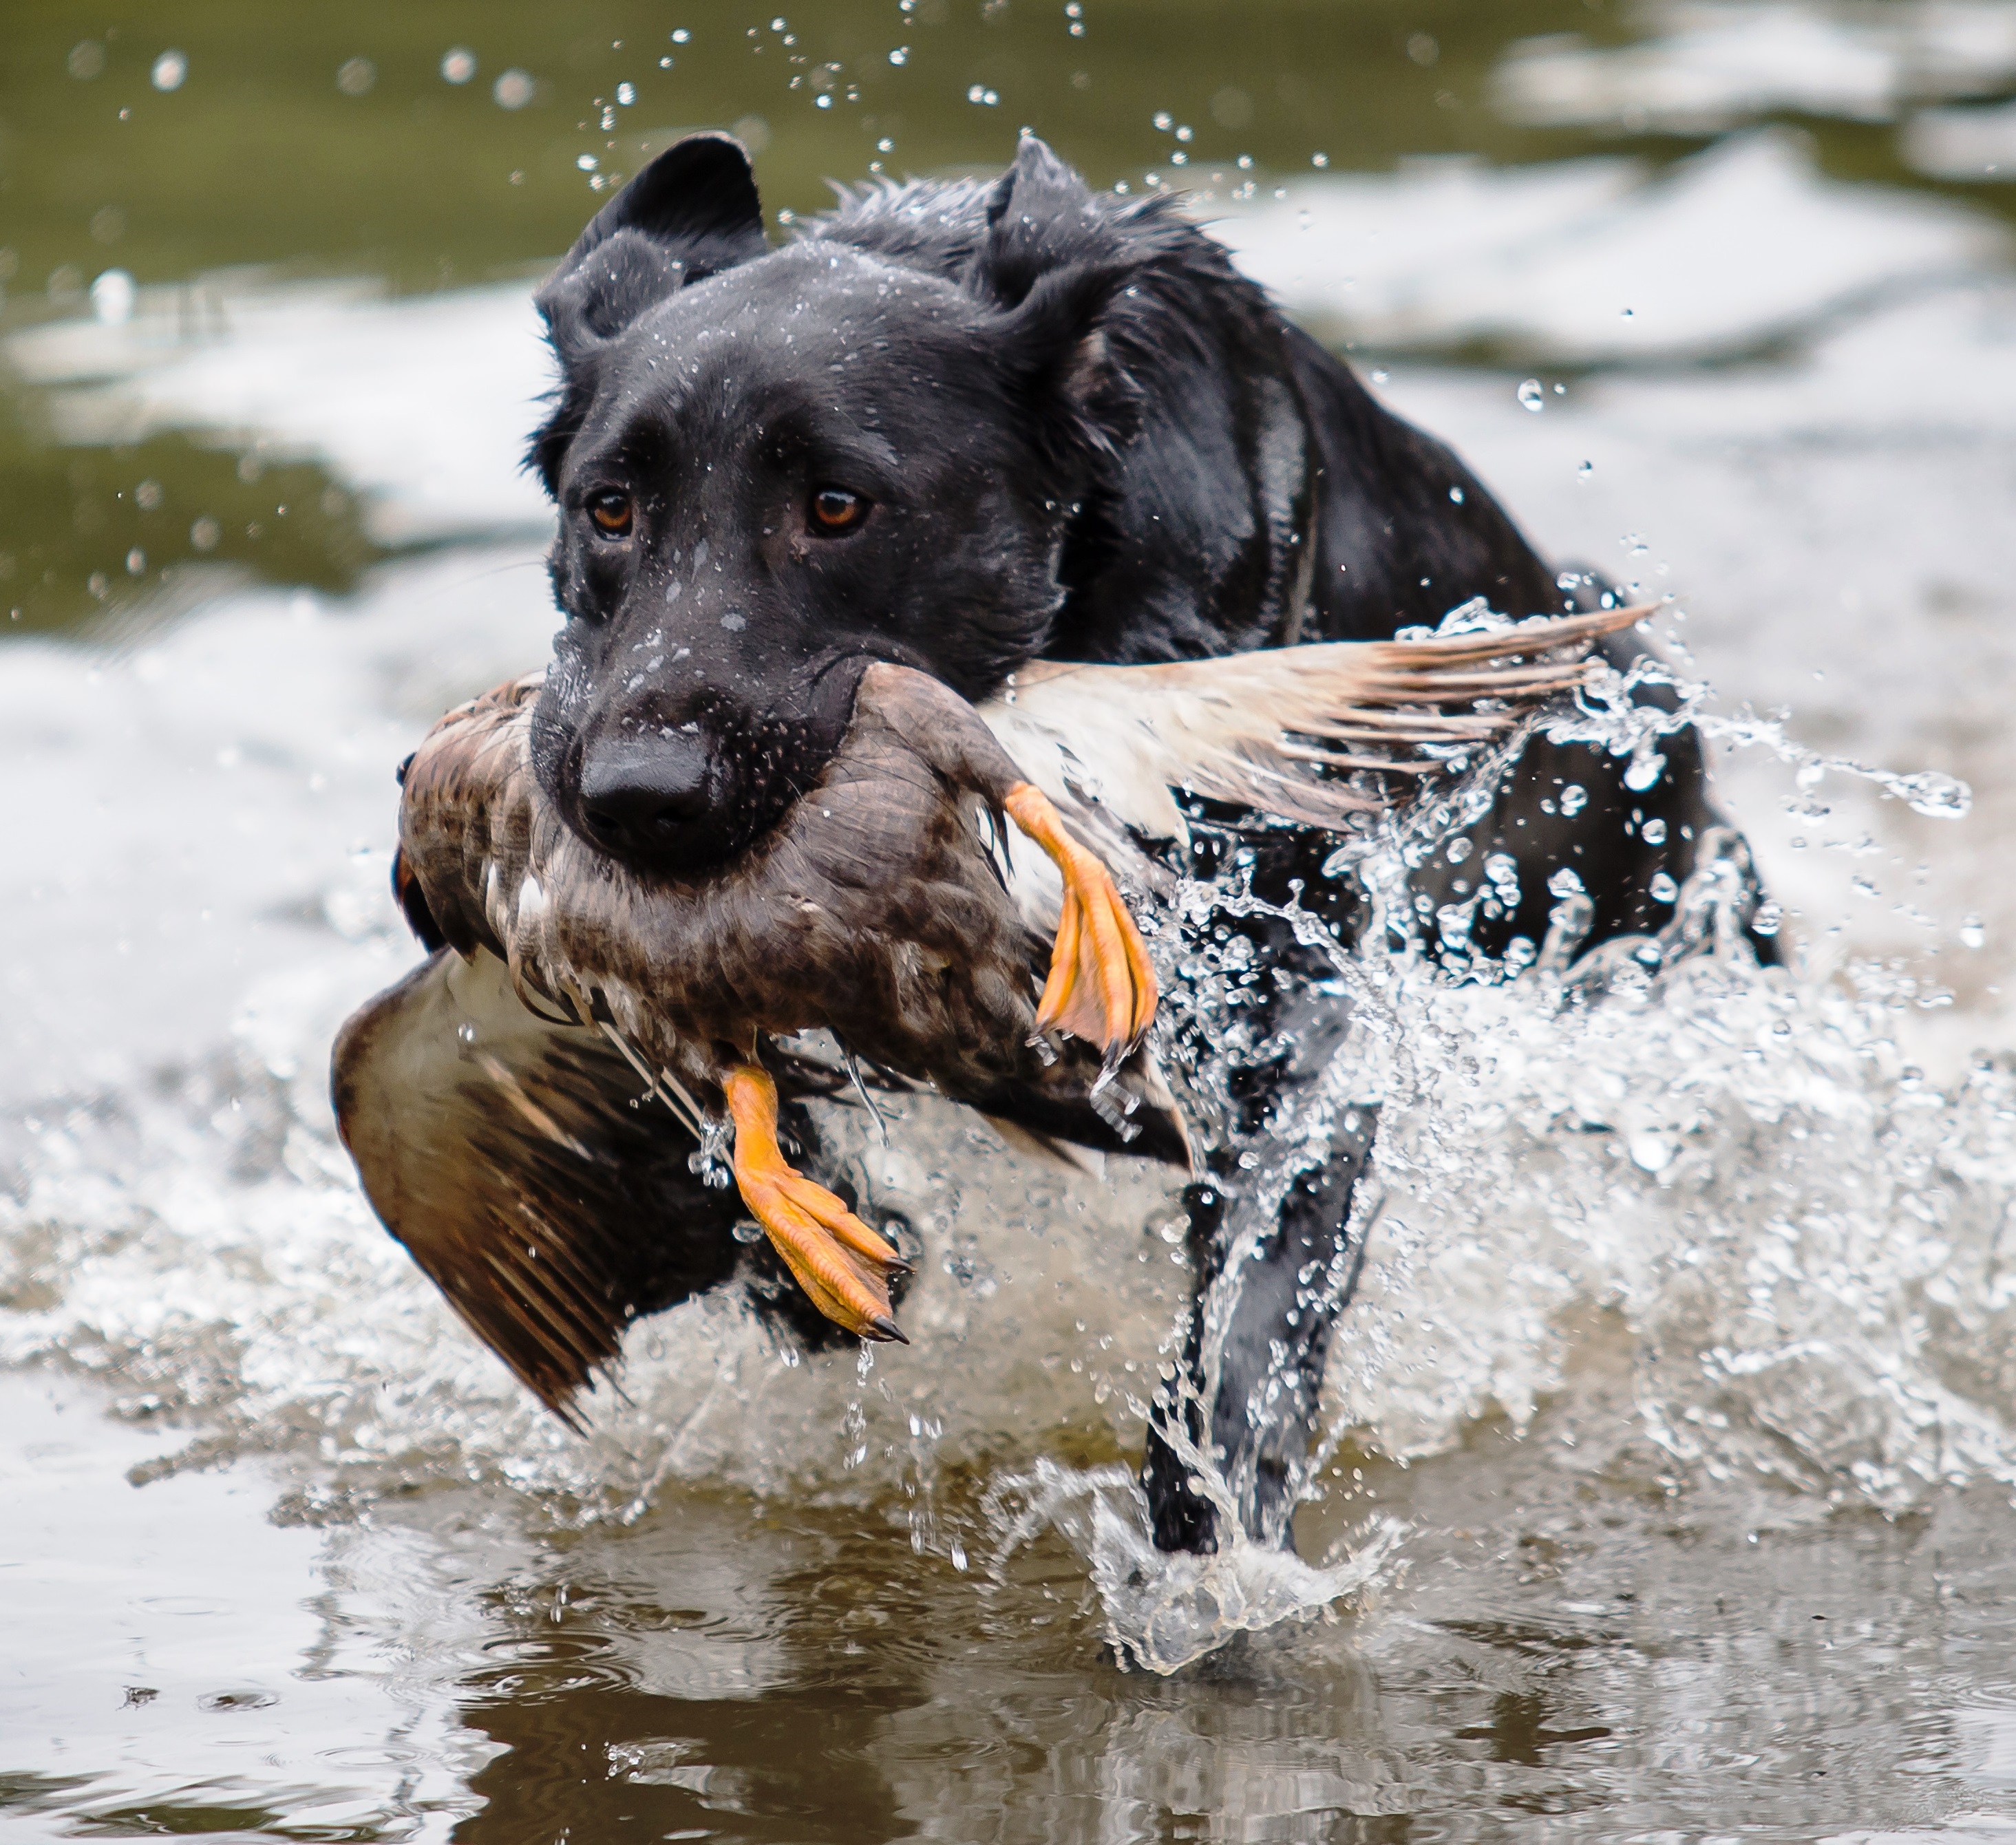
x=1263 y=495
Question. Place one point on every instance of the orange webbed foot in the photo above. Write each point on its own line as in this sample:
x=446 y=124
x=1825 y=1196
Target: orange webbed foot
x=1101 y=988
x=842 y=1264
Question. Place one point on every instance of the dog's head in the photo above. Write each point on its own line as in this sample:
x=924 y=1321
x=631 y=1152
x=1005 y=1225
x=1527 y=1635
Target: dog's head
x=774 y=466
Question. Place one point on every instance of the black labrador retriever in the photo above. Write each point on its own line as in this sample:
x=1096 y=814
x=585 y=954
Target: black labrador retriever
x=960 y=425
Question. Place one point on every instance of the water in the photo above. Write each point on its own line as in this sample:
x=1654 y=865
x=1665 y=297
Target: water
x=1670 y=1444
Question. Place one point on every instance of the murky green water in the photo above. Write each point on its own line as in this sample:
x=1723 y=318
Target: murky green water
x=1682 y=1358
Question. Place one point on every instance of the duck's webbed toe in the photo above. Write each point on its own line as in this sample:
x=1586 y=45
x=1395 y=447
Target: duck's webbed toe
x=843 y=1266
x=1101 y=987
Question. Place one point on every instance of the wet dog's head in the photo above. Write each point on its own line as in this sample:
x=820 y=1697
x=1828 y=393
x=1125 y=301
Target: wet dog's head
x=774 y=466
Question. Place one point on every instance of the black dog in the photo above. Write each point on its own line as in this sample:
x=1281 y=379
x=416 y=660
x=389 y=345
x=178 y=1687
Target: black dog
x=960 y=426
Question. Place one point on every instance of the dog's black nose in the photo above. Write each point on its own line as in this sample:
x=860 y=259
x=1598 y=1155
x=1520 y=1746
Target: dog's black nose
x=646 y=798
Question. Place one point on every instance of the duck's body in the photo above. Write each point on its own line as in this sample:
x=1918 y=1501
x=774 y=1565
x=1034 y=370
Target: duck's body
x=490 y=1097
x=879 y=909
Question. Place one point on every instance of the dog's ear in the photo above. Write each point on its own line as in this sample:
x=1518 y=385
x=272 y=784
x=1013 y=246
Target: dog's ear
x=1062 y=368
x=1054 y=264
x=1041 y=216
x=691 y=213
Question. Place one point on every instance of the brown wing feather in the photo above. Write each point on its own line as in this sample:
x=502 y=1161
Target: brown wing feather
x=509 y=1158
x=1253 y=729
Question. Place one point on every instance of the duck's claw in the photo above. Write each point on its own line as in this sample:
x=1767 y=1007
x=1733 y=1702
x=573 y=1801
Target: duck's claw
x=1101 y=988
x=841 y=1265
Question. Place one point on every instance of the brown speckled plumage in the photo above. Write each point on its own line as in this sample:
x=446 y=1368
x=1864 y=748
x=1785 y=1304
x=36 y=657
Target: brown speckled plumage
x=877 y=910
x=501 y=1140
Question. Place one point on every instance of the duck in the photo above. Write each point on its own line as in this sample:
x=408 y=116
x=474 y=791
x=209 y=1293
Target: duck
x=494 y=1099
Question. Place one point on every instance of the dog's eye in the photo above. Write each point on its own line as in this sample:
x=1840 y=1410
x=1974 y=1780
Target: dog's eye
x=611 y=512
x=836 y=510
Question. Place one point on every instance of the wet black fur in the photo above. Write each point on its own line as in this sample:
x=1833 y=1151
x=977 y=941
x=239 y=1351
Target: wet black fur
x=1084 y=436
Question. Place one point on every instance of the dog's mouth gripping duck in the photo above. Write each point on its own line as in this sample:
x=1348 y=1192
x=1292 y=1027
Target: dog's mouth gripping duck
x=490 y=1099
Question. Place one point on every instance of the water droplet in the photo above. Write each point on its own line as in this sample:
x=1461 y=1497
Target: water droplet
x=587 y=162
x=1663 y=888
x=1653 y=832
x=1532 y=396
x=513 y=89
x=356 y=76
x=1651 y=1152
x=112 y=297
x=1574 y=798
x=1971 y=934
x=1456 y=496
x=1564 y=883
x=1937 y=796
x=458 y=65
x=170 y=69
x=626 y=94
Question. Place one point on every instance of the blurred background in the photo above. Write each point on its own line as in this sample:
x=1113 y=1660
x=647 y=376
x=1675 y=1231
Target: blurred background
x=199 y=171
x=1719 y=299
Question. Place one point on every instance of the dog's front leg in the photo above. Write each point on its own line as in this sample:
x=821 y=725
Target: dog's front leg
x=1275 y=1270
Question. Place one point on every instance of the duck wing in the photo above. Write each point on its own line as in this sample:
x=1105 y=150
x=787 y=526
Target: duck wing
x=511 y=1157
x=1277 y=730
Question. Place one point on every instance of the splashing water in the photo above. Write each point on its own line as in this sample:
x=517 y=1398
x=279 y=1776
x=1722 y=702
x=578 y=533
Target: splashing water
x=1607 y=717
x=1797 y=1236
x=1164 y=1611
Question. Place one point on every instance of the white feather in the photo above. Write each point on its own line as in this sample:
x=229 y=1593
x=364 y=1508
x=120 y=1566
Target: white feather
x=1256 y=729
